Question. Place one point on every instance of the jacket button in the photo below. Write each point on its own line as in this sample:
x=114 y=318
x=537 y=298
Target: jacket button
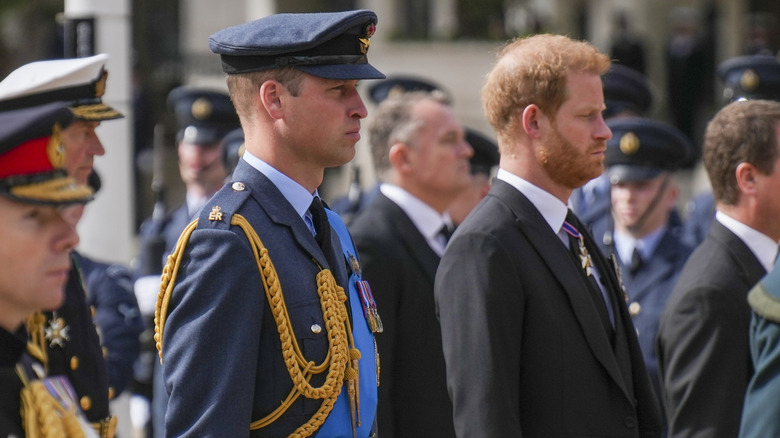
x=315 y=328
x=86 y=403
x=74 y=363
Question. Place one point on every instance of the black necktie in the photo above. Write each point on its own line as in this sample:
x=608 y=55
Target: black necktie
x=446 y=232
x=584 y=261
x=636 y=262
x=322 y=229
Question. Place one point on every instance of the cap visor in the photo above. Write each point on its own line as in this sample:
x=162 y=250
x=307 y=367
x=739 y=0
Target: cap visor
x=96 y=112
x=621 y=173
x=57 y=191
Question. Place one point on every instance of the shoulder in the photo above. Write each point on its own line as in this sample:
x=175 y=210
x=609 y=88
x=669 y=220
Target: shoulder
x=219 y=211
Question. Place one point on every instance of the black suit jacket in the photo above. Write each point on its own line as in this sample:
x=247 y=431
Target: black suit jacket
x=400 y=266
x=525 y=350
x=703 y=339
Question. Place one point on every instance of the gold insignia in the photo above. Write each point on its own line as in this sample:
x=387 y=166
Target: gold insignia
x=749 y=80
x=354 y=264
x=216 y=213
x=86 y=403
x=55 y=150
x=100 y=85
x=57 y=332
x=366 y=41
x=201 y=108
x=629 y=143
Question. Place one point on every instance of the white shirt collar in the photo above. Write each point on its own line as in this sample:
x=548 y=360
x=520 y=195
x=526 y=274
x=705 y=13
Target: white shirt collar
x=296 y=194
x=762 y=246
x=552 y=209
x=424 y=217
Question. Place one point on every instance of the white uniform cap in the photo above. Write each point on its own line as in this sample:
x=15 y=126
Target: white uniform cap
x=79 y=81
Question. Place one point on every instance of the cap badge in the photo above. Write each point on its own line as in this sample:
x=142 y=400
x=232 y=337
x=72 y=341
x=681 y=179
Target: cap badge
x=100 y=85
x=749 y=80
x=365 y=42
x=201 y=108
x=629 y=143
x=54 y=150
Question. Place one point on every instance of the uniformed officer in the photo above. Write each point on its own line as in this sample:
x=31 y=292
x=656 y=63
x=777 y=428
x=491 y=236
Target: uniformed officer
x=203 y=118
x=265 y=326
x=746 y=77
x=35 y=194
x=482 y=164
x=67 y=337
x=640 y=161
x=627 y=93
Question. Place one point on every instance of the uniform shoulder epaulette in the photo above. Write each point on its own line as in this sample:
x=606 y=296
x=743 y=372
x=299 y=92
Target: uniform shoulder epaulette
x=764 y=298
x=218 y=212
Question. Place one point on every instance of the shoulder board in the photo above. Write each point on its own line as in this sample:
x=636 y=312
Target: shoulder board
x=765 y=302
x=218 y=212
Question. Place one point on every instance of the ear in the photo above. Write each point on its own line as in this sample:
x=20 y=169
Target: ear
x=532 y=119
x=399 y=155
x=747 y=178
x=271 y=93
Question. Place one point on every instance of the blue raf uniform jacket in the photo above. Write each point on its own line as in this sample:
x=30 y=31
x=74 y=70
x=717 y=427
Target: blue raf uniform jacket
x=221 y=353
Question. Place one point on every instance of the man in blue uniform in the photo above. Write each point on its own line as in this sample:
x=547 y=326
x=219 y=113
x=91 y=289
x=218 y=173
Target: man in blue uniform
x=203 y=118
x=641 y=158
x=35 y=196
x=97 y=362
x=265 y=327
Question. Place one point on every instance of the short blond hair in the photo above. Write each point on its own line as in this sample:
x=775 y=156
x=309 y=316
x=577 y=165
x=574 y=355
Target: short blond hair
x=534 y=70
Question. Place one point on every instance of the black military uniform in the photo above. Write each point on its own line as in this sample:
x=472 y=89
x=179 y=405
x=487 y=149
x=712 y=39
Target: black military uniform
x=20 y=132
x=67 y=338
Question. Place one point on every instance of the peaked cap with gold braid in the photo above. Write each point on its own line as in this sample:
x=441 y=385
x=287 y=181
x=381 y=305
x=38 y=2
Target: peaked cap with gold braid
x=31 y=157
x=81 y=82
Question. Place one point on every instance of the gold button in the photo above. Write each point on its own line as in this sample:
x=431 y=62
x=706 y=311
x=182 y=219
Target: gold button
x=92 y=311
x=105 y=351
x=86 y=403
x=634 y=309
x=238 y=186
x=74 y=363
x=315 y=328
x=111 y=393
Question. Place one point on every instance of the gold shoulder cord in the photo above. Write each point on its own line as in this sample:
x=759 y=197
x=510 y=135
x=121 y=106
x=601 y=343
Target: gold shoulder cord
x=42 y=415
x=341 y=360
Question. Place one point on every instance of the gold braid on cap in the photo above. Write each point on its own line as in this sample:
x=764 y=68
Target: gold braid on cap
x=340 y=362
x=54 y=190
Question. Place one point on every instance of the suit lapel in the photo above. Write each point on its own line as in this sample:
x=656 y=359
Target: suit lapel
x=531 y=223
x=748 y=266
x=409 y=236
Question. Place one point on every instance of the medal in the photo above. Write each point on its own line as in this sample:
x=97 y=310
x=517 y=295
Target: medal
x=369 y=307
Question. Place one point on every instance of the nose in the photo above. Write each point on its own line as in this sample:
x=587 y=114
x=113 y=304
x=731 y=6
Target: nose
x=466 y=150
x=359 y=109
x=96 y=146
x=603 y=132
x=66 y=236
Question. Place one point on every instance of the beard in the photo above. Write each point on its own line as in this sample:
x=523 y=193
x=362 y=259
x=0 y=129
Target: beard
x=565 y=164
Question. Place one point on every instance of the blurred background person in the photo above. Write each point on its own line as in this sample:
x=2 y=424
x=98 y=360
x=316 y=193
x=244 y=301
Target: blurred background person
x=644 y=233
x=203 y=118
x=422 y=157
x=482 y=165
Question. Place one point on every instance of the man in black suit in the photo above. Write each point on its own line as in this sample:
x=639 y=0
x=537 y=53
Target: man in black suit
x=537 y=338
x=703 y=349
x=421 y=153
